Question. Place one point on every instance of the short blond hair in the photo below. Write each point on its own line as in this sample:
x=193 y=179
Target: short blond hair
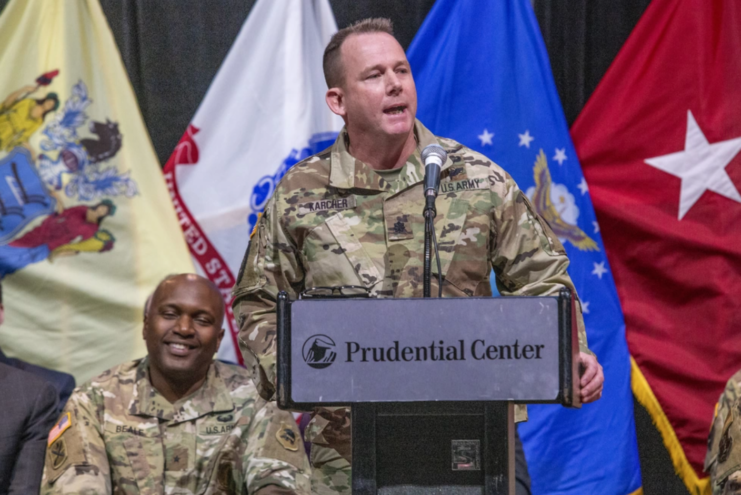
x=332 y=62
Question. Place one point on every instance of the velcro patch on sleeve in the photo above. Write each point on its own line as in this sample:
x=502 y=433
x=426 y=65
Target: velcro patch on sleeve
x=61 y=454
x=282 y=440
x=62 y=425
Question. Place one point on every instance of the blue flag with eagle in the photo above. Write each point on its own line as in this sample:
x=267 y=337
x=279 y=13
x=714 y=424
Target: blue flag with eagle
x=483 y=78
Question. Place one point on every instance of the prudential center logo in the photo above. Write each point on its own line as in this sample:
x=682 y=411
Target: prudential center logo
x=318 y=351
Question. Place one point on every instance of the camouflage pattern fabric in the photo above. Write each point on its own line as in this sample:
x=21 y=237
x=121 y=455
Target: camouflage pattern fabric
x=334 y=221
x=723 y=458
x=121 y=436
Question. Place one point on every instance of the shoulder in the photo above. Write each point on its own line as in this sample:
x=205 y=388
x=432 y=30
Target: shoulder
x=475 y=164
x=21 y=383
x=310 y=173
x=238 y=381
x=120 y=376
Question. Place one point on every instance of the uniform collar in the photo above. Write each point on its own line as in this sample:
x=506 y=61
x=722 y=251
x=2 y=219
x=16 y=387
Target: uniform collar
x=346 y=172
x=212 y=397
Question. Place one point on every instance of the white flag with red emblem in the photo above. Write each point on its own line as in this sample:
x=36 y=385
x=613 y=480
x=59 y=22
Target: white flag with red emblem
x=264 y=112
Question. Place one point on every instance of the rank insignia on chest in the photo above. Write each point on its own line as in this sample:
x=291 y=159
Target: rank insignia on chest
x=287 y=437
x=336 y=204
x=399 y=227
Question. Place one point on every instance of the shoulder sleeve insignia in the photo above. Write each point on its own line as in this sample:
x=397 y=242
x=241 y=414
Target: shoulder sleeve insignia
x=287 y=437
x=58 y=453
x=64 y=422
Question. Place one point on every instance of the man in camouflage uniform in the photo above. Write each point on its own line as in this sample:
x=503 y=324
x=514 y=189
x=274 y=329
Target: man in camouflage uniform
x=176 y=421
x=352 y=215
x=723 y=459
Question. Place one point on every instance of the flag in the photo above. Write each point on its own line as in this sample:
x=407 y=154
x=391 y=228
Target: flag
x=659 y=141
x=86 y=226
x=483 y=78
x=263 y=112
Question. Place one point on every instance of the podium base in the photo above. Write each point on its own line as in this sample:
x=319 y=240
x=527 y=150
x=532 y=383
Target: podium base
x=434 y=448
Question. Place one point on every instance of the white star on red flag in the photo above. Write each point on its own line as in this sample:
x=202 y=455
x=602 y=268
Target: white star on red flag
x=701 y=166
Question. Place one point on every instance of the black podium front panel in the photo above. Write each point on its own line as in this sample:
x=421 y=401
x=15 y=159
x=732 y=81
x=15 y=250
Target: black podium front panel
x=467 y=349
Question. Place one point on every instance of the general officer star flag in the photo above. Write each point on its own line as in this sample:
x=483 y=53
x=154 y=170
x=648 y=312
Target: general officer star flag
x=86 y=226
x=483 y=78
x=660 y=141
x=263 y=112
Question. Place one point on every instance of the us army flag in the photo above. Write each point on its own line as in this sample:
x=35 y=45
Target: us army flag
x=86 y=226
x=500 y=99
x=264 y=112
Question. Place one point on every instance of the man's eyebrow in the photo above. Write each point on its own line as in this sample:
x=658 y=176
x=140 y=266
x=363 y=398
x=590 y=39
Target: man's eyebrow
x=382 y=66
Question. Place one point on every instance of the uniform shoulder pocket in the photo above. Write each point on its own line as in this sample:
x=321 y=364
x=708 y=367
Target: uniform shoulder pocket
x=549 y=242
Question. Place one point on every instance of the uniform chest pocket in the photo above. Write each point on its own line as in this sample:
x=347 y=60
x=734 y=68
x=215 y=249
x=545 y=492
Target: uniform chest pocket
x=135 y=452
x=462 y=228
x=335 y=254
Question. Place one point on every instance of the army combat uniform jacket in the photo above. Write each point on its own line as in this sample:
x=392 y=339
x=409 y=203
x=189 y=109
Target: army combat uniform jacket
x=723 y=458
x=333 y=221
x=118 y=435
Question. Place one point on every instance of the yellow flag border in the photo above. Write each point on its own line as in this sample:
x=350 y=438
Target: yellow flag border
x=643 y=393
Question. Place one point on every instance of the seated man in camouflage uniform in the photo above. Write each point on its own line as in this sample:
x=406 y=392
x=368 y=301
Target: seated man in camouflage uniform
x=723 y=459
x=352 y=215
x=176 y=421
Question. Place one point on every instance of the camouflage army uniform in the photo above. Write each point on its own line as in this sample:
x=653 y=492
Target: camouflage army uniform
x=723 y=458
x=334 y=221
x=118 y=435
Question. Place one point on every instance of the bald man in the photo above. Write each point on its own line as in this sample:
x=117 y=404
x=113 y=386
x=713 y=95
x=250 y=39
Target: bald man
x=176 y=421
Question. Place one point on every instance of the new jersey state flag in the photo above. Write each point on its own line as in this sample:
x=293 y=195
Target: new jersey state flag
x=263 y=112
x=660 y=141
x=483 y=78
x=87 y=229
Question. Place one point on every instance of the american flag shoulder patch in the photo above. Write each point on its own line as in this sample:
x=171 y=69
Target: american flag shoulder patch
x=64 y=422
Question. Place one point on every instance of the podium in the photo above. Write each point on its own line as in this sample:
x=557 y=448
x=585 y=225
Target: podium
x=431 y=383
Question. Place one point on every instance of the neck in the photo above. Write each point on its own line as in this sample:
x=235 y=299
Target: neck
x=382 y=153
x=174 y=389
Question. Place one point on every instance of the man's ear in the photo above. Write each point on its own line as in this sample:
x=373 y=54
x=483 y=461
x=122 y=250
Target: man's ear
x=144 y=326
x=218 y=340
x=335 y=99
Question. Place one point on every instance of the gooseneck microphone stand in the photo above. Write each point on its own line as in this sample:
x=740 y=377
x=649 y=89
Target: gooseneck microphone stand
x=429 y=214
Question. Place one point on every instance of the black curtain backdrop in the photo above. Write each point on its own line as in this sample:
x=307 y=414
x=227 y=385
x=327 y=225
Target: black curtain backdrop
x=173 y=48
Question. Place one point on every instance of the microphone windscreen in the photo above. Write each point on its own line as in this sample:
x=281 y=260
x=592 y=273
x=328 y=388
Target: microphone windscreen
x=434 y=151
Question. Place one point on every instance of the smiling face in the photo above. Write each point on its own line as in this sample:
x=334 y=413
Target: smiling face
x=182 y=329
x=377 y=96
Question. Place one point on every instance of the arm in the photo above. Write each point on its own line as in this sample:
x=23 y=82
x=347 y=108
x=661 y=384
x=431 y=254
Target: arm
x=529 y=260
x=271 y=265
x=15 y=96
x=275 y=461
x=76 y=459
x=29 y=463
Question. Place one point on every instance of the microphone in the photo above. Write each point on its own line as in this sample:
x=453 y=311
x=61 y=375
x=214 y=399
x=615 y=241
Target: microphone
x=433 y=157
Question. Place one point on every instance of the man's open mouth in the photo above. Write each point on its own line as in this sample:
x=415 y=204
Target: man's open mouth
x=179 y=349
x=395 y=110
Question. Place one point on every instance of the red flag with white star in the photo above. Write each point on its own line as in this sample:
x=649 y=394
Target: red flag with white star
x=660 y=142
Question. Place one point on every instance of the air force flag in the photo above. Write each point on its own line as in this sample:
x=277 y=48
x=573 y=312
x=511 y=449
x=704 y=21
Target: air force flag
x=483 y=78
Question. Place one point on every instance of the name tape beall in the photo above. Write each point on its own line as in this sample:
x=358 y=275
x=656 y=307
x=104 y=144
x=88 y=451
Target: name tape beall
x=351 y=358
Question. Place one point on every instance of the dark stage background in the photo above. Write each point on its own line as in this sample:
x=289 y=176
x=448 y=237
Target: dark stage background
x=173 y=48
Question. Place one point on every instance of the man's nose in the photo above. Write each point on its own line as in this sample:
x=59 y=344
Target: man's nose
x=393 y=83
x=185 y=326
